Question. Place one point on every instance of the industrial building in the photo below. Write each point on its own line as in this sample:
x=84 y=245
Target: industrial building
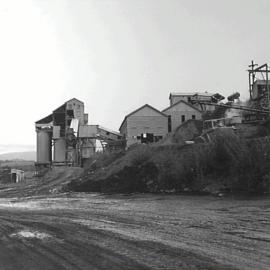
x=144 y=125
x=65 y=138
x=147 y=124
x=197 y=99
x=180 y=112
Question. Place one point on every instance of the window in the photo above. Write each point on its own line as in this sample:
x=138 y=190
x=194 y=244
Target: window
x=183 y=118
x=193 y=116
x=70 y=113
x=169 y=123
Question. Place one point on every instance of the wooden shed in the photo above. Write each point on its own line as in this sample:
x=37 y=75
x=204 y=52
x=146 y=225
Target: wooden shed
x=144 y=125
x=16 y=175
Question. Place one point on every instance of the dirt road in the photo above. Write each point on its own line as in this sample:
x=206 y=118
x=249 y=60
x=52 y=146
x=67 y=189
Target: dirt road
x=91 y=231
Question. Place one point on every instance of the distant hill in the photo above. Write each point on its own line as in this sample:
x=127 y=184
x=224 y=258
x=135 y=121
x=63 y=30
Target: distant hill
x=27 y=155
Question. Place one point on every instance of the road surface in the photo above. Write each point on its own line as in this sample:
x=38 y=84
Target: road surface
x=92 y=231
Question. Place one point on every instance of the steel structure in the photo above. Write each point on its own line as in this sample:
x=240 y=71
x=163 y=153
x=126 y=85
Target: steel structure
x=259 y=86
x=259 y=90
x=65 y=138
x=234 y=106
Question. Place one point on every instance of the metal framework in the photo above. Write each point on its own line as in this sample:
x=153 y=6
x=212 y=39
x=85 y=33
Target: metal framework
x=237 y=107
x=260 y=104
x=263 y=70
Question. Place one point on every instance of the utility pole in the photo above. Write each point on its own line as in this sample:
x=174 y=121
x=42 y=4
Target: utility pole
x=267 y=85
x=251 y=77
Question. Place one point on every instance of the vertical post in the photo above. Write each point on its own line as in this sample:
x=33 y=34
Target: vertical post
x=251 y=78
x=249 y=83
x=267 y=85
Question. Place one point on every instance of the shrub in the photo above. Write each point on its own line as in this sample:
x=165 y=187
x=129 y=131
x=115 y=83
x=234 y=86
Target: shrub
x=226 y=161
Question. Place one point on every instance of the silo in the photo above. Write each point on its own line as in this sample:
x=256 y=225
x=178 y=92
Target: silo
x=60 y=150
x=43 y=146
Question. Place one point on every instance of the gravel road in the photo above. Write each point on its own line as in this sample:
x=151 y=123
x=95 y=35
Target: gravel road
x=92 y=231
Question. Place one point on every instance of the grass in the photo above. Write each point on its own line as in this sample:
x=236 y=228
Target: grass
x=226 y=162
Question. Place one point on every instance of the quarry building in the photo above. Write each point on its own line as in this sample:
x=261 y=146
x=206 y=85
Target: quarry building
x=195 y=97
x=144 y=125
x=65 y=138
x=180 y=112
x=148 y=124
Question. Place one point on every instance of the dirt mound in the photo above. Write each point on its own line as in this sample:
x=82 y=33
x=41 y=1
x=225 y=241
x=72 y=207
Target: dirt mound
x=226 y=161
x=51 y=182
x=187 y=131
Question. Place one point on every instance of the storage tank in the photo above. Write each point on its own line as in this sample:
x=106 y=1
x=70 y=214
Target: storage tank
x=43 y=146
x=60 y=150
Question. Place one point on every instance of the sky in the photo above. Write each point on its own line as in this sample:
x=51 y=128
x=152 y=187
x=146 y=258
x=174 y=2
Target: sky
x=117 y=55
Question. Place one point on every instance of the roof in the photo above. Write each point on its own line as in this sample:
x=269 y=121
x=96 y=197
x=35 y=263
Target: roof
x=64 y=105
x=216 y=95
x=74 y=99
x=110 y=130
x=45 y=120
x=145 y=105
x=182 y=101
x=182 y=94
x=61 y=108
x=206 y=94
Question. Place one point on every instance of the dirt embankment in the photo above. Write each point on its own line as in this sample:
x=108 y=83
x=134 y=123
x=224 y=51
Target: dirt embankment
x=228 y=163
x=52 y=182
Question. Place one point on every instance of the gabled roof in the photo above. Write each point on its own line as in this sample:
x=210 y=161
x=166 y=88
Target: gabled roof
x=60 y=108
x=110 y=130
x=64 y=105
x=182 y=101
x=146 y=105
x=74 y=99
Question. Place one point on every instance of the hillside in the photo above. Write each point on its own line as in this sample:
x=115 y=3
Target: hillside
x=27 y=155
x=228 y=163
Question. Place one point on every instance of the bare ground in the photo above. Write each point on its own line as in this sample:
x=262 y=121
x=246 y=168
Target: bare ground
x=92 y=231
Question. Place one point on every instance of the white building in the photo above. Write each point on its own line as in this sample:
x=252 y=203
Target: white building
x=17 y=175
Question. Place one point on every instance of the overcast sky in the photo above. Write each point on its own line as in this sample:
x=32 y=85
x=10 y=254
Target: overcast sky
x=116 y=55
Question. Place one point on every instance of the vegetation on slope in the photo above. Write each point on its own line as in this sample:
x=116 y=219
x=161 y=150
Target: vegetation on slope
x=224 y=163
